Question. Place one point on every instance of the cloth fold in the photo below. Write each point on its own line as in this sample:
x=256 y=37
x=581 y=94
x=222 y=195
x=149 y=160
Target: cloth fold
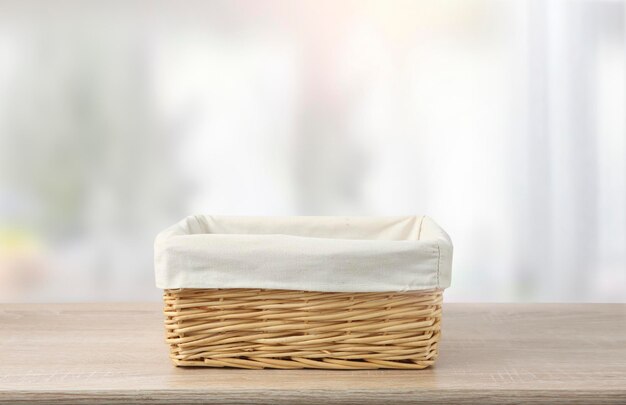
x=340 y=254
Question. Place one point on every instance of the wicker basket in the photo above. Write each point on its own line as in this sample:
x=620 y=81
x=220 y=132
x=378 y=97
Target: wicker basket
x=283 y=329
x=259 y=328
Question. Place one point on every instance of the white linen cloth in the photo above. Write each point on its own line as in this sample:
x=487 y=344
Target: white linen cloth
x=342 y=254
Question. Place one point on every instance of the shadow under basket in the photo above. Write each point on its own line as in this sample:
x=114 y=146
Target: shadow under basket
x=284 y=329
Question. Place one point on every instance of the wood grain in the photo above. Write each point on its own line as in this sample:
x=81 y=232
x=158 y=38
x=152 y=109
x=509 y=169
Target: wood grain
x=490 y=353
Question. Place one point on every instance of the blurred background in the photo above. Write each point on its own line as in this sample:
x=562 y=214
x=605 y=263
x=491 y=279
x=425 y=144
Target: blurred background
x=503 y=120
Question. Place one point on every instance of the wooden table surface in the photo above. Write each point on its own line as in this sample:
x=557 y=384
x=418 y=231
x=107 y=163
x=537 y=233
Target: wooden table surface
x=490 y=353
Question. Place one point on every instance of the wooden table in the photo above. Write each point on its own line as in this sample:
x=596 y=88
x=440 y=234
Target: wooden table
x=502 y=353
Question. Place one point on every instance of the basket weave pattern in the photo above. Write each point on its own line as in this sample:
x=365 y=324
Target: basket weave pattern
x=252 y=328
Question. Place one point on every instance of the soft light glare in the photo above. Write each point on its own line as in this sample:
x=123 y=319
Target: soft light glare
x=502 y=120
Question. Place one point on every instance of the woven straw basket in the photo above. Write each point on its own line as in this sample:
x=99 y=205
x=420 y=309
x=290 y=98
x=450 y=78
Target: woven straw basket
x=330 y=325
